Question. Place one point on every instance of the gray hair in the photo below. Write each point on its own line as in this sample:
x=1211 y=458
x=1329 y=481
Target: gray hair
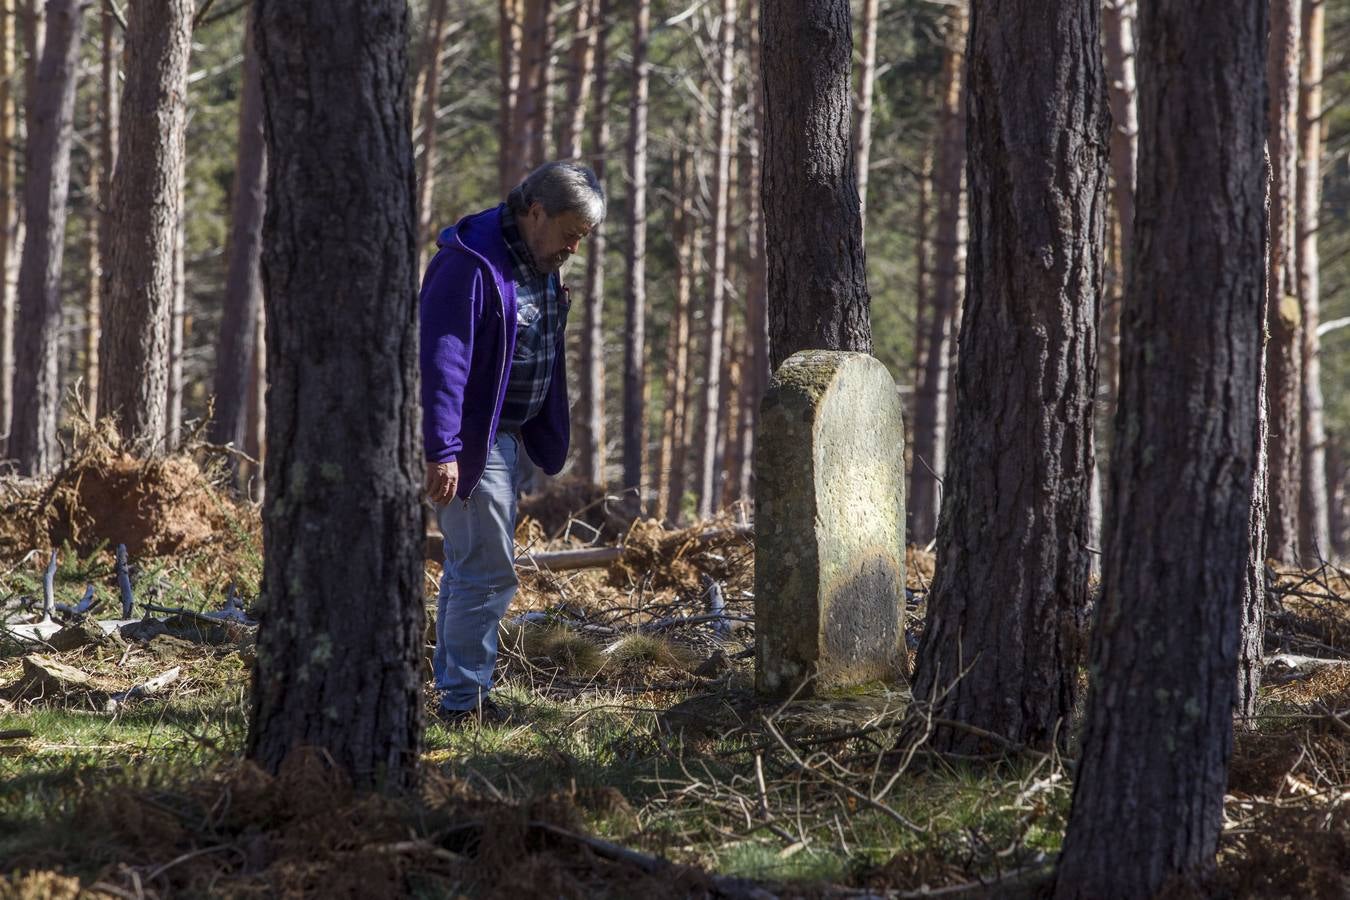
x=561 y=187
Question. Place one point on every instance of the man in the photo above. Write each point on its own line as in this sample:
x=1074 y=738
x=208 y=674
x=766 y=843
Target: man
x=493 y=313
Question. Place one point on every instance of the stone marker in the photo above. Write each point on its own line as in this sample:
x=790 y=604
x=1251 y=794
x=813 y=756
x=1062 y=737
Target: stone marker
x=829 y=525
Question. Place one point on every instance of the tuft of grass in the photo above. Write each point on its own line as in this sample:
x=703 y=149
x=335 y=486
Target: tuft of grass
x=646 y=649
x=554 y=647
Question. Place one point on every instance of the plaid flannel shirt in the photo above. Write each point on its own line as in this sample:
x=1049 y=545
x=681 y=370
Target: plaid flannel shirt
x=540 y=318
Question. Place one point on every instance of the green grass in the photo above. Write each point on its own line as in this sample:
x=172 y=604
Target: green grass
x=694 y=796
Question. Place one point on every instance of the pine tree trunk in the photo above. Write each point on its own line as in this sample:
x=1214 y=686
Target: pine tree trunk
x=756 y=313
x=677 y=347
x=530 y=105
x=591 y=408
x=146 y=204
x=1252 y=628
x=634 y=412
x=8 y=221
x=1284 y=360
x=1118 y=32
x=173 y=407
x=509 y=38
x=1314 y=521
x=339 y=648
x=867 y=70
x=1148 y=794
x=709 y=465
x=1007 y=609
x=817 y=274
x=255 y=435
x=93 y=300
x=110 y=111
x=673 y=448
x=930 y=405
x=1338 y=498
x=683 y=480
x=32 y=436
x=243 y=286
x=585 y=27
x=922 y=301
x=733 y=454
x=434 y=47
x=32 y=17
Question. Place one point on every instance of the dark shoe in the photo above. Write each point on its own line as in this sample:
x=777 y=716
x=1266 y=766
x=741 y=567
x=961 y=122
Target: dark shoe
x=486 y=713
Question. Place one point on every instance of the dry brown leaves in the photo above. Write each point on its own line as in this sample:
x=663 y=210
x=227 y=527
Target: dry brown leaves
x=241 y=832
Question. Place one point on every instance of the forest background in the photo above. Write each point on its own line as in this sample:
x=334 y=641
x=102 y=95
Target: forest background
x=487 y=106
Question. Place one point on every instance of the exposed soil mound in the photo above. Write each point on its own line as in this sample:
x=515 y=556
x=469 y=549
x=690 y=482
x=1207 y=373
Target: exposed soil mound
x=103 y=493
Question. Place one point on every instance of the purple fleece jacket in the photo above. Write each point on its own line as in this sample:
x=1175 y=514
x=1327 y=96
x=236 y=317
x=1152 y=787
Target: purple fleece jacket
x=467 y=298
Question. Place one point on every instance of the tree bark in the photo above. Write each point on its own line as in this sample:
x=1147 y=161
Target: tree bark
x=867 y=70
x=756 y=313
x=817 y=270
x=691 y=259
x=922 y=300
x=32 y=435
x=433 y=48
x=32 y=18
x=1338 y=494
x=634 y=382
x=1314 y=519
x=1252 y=628
x=146 y=202
x=8 y=220
x=670 y=468
x=1284 y=360
x=340 y=641
x=585 y=27
x=591 y=408
x=1149 y=790
x=531 y=127
x=930 y=406
x=733 y=455
x=243 y=284
x=93 y=301
x=255 y=436
x=709 y=458
x=1007 y=609
x=110 y=111
x=1118 y=33
x=509 y=37
x=173 y=406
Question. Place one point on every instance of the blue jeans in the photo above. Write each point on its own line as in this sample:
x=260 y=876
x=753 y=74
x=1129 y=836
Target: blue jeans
x=479 y=579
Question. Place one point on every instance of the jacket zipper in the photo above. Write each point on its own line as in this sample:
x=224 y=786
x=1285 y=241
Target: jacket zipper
x=501 y=378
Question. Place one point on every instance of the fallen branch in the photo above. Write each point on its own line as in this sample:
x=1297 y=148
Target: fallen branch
x=597 y=557
x=143 y=690
x=589 y=558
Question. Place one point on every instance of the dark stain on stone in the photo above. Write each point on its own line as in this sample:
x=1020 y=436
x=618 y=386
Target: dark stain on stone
x=863 y=621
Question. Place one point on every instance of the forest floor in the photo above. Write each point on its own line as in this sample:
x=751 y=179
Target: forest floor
x=638 y=760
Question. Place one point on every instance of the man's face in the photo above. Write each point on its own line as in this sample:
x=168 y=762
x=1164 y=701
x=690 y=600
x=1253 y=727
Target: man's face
x=552 y=239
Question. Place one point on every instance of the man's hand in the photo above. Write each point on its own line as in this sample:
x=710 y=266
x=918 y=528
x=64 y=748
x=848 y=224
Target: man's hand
x=442 y=479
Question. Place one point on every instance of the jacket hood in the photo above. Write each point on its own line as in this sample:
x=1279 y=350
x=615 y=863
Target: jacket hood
x=481 y=234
